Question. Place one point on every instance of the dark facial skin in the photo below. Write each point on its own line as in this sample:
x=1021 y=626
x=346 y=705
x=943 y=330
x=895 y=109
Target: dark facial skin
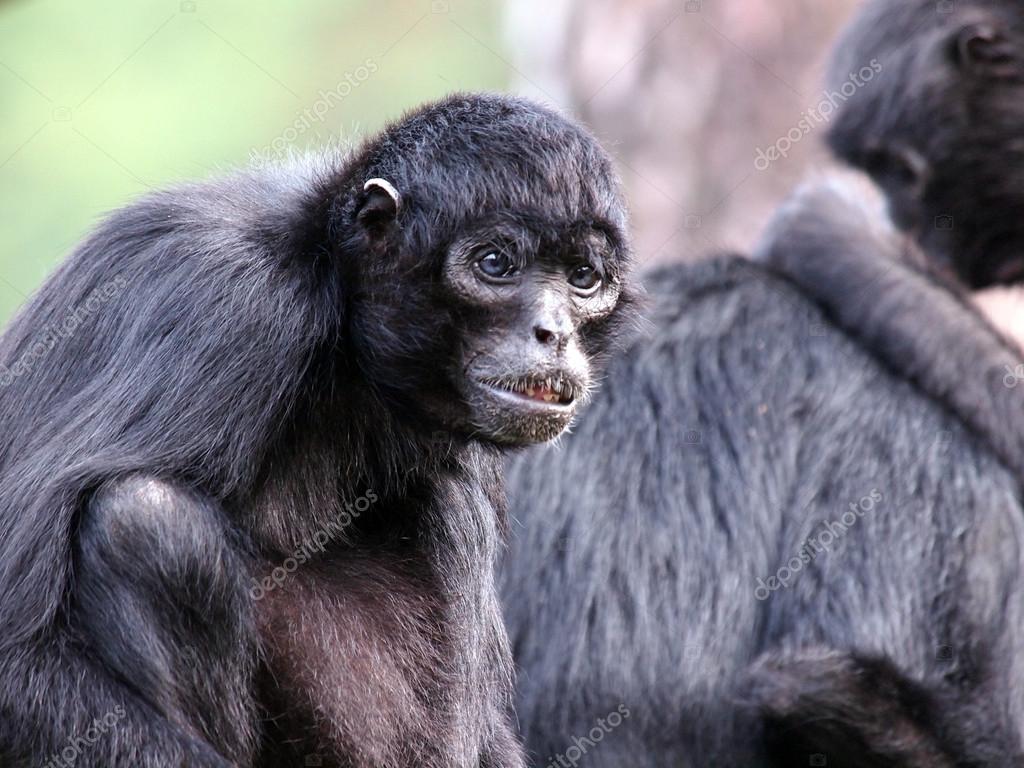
x=525 y=375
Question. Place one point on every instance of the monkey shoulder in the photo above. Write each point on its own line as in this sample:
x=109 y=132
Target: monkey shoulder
x=158 y=530
x=150 y=505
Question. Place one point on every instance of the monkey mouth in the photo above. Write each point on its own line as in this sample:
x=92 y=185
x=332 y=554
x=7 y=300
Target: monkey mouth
x=551 y=390
x=525 y=410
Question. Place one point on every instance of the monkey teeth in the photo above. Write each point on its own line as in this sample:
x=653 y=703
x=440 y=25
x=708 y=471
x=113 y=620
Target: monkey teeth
x=543 y=394
x=552 y=391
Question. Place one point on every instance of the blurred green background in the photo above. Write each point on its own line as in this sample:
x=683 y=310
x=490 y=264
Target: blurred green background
x=102 y=100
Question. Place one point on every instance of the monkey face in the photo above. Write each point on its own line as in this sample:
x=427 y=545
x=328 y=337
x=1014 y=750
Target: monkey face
x=526 y=301
x=503 y=337
x=486 y=270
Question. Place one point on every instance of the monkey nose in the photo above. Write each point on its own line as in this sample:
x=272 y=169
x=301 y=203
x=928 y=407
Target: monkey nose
x=548 y=337
x=544 y=336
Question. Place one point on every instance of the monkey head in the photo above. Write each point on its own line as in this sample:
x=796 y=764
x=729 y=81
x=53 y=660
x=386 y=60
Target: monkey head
x=938 y=125
x=488 y=266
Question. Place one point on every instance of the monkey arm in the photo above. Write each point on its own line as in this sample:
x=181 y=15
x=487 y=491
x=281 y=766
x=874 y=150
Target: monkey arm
x=153 y=665
x=835 y=244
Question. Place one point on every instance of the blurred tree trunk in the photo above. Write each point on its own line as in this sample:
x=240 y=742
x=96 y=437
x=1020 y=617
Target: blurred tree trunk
x=683 y=94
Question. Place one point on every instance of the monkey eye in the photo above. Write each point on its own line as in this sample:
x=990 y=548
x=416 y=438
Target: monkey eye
x=903 y=168
x=497 y=264
x=585 y=277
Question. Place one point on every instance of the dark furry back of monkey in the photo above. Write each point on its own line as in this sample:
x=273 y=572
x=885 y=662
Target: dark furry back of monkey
x=670 y=557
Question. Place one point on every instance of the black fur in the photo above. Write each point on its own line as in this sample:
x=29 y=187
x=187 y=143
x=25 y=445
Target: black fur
x=766 y=398
x=742 y=424
x=271 y=360
x=881 y=290
x=938 y=126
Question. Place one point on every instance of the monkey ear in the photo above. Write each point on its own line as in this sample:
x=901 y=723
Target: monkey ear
x=981 y=48
x=379 y=204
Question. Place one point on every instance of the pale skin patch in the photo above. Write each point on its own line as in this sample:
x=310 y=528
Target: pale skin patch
x=1004 y=308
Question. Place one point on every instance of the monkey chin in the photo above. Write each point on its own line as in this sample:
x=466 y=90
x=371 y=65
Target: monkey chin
x=523 y=412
